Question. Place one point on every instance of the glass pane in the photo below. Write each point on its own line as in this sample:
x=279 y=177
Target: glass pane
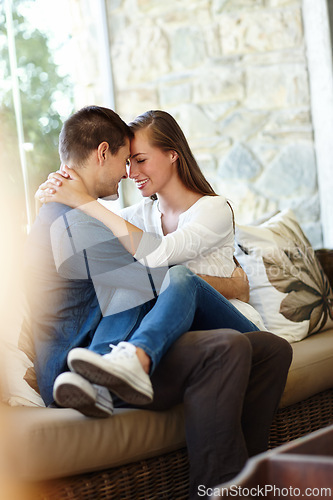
x=45 y=92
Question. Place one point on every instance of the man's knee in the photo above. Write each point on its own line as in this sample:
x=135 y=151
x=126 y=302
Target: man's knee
x=283 y=350
x=215 y=343
x=270 y=346
x=238 y=345
x=195 y=357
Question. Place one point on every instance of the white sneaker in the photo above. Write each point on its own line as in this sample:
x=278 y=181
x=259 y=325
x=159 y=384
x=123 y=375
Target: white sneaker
x=70 y=390
x=120 y=371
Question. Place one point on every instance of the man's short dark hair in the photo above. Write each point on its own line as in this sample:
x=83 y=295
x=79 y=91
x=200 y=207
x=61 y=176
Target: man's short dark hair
x=86 y=129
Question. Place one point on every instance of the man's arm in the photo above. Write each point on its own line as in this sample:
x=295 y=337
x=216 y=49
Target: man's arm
x=235 y=287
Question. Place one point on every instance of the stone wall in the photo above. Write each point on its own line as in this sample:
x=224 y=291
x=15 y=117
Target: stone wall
x=234 y=74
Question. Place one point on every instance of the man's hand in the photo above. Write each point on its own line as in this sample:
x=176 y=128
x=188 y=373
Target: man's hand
x=243 y=284
x=235 y=287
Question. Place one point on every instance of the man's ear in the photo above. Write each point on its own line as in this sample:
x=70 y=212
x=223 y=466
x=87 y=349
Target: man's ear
x=102 y=151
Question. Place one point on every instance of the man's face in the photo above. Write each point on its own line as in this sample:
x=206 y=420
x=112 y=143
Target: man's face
x=113 y=171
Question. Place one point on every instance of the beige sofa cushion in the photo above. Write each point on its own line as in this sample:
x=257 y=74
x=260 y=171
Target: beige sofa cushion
x=311 y=370
x=45 y=443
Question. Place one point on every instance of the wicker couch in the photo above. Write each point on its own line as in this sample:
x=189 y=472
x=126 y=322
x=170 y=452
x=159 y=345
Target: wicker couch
x=59 y=454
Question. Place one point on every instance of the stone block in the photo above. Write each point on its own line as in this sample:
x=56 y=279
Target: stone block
x=262 y=30
x=171 y=95
x=153 y=7
x=133 y=102
x=282 y=137
x=243 y=124
x=187 y=47
x=265 y=151
x=194 y=122
x=313 y=232
x=218 y=110
x=292 y=56
x=306 y=208
x=141 y=57
x=117 y=26
x=113 y=4
x=220 y=83
x=292 y=173
x=290 y=119
x=216 y=143
x=212 y=40
x=207 y=163
x=288 y=126
x=148 y=6
x=240 y=163
x=247 y=203
x=283 y=3
x=219 y=6
x=277 y=86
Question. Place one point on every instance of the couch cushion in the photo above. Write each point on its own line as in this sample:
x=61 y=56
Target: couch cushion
x=311 y=370
x=45 y=443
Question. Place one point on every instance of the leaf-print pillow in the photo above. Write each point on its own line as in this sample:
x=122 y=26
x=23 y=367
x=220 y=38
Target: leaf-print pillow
x=288 y=286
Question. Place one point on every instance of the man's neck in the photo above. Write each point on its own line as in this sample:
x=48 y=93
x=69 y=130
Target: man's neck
x=88 y=176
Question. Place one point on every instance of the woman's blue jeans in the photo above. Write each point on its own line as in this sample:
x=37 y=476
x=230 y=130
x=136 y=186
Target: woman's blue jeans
x=186 y=303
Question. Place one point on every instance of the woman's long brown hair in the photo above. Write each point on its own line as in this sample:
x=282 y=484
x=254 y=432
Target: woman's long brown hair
x=165 y=134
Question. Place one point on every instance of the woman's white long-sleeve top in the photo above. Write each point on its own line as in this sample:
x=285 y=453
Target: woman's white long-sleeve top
x=203 y=241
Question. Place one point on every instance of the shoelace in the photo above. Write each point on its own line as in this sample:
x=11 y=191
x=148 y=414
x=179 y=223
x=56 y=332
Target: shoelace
x=102 y=392
x=122 y=348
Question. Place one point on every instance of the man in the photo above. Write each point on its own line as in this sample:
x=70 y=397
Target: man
x=79 y=281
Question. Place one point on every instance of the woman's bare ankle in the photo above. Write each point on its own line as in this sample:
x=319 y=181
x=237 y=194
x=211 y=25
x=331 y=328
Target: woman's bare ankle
x=144 y=359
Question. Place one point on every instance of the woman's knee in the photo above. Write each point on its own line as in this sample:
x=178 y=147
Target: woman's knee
x=180 y=275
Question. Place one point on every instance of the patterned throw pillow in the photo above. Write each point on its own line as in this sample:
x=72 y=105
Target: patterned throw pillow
x=288 y=285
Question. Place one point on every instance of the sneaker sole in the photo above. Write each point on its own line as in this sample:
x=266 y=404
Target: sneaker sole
x=125 y=387
x=69 y=395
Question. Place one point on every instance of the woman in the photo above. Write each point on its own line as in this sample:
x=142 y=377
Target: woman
x=180 y=221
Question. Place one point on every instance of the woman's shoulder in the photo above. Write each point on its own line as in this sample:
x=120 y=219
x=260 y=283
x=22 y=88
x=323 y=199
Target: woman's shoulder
x=213 y=205
x=216 y=201
x=211 y=212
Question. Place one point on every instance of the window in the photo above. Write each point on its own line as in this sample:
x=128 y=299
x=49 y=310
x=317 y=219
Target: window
x=35 y=96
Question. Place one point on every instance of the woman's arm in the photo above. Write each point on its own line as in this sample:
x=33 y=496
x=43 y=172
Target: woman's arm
x=235 y=287
x=68 y=188
x=186 y=243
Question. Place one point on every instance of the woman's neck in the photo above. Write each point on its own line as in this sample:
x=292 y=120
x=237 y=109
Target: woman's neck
x=177 y=199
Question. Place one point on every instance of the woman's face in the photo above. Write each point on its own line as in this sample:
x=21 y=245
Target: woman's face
x=151 y=168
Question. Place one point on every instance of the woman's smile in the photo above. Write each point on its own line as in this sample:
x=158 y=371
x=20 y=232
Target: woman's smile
x=140 y=184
